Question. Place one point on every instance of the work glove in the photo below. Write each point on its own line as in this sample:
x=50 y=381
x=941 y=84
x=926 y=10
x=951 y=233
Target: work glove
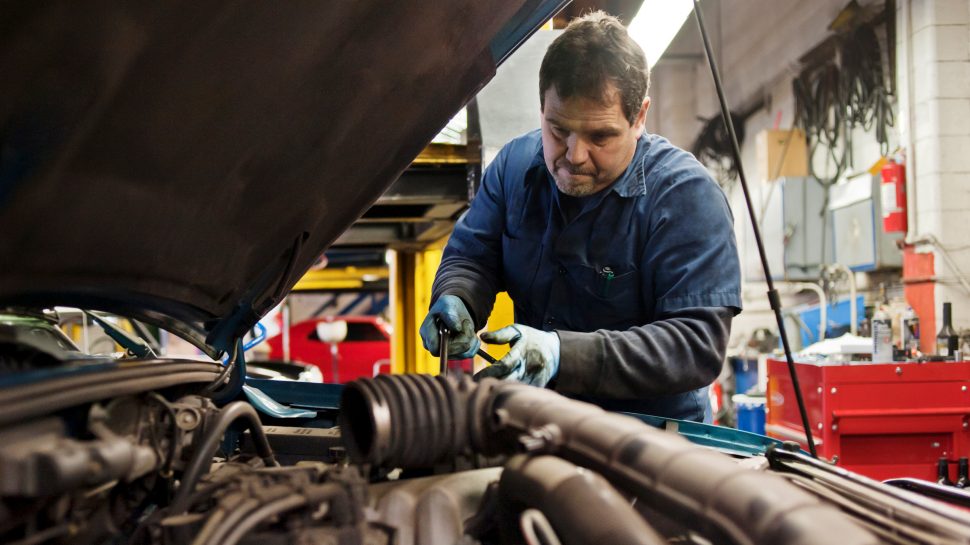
x=533 y=358
x=450 y=311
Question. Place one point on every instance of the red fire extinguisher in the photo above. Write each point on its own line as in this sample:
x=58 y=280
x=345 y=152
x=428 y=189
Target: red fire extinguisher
x=893 y=197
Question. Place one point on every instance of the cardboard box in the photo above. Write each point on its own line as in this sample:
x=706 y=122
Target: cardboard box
x=771 y=152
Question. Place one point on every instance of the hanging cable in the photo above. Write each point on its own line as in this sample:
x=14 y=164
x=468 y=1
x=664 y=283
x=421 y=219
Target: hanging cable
x=848 y=86
x=713 y=147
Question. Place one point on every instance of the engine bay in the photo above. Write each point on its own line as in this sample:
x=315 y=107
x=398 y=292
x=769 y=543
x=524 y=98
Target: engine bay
x=416 y=459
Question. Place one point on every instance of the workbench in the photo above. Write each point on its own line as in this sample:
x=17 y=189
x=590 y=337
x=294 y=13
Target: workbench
x=880 y=420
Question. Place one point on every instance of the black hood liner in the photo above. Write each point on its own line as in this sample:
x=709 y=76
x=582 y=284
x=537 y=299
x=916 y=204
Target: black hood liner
x=194 y=158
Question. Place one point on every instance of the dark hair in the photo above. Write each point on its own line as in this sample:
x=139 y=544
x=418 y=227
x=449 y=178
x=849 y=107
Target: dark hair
x=594 y=51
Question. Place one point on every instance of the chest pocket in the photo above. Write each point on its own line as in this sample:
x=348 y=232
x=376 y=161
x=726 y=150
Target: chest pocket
x=604 y=298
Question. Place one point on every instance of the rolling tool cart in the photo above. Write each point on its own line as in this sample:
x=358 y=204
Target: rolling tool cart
x=881 y=420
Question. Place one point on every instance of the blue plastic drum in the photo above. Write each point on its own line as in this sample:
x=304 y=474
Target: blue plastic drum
x=751 y=413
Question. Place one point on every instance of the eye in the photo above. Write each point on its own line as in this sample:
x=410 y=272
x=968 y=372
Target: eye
x=600 y=139
x=559 y=132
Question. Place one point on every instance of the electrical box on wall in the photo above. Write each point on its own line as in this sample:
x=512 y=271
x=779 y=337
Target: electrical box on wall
x=803 y=203
x=792 y=228
x=859 y=239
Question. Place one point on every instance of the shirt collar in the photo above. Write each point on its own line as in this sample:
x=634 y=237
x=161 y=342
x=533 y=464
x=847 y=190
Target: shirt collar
x=630 y=184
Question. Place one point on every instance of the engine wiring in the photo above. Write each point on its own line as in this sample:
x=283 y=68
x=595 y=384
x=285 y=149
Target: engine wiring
x=169 y=460
x=202 y=455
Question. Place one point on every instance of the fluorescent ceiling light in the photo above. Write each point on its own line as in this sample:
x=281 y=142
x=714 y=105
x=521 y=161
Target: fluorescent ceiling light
x=455 y=132
x=656 y=24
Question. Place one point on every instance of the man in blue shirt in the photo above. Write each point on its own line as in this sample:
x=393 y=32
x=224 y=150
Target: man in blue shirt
x=616 y=247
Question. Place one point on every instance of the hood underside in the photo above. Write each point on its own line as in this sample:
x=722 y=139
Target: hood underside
x=194 y=159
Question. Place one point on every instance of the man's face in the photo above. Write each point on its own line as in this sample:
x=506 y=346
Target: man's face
x=587 y=145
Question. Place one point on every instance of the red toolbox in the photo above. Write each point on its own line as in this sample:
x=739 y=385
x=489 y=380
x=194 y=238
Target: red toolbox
x=880 y=420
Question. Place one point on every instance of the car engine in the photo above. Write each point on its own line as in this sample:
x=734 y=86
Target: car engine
x=415 y=459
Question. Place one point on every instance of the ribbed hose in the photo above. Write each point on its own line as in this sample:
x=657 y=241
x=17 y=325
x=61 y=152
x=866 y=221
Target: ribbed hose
x=703 y=489
x=411 y=421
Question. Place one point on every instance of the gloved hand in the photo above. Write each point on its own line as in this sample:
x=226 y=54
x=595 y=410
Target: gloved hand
x=533 y=359
x=451 y=312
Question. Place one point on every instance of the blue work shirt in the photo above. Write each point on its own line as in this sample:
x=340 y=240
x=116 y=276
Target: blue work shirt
x=653 y=248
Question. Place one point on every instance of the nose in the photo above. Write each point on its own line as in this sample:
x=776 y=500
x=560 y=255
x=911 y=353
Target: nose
x=577 y=152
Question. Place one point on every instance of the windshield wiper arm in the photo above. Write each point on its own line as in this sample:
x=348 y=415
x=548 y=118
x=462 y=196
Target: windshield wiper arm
x=134 y=346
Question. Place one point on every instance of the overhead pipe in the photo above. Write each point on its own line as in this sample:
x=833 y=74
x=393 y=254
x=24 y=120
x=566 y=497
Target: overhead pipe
x=853 y=311
x=419 y=420
x=822 y=306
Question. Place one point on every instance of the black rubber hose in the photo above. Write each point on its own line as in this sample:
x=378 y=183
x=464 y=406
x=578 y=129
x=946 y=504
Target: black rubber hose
x=412 y=421
x=580 y=504
x=202 y=455
x=929 y=489
x=700 y=488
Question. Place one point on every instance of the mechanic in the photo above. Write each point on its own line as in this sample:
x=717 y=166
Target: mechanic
x=616 y=247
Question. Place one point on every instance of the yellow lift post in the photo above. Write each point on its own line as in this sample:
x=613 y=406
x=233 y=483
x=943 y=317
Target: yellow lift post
x=410 y=276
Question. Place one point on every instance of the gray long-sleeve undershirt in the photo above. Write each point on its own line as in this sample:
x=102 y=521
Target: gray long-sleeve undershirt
x=682 y=351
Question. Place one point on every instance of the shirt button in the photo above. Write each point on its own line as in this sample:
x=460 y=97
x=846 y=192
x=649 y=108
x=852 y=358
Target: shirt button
x=562 y=271
x=550 y=320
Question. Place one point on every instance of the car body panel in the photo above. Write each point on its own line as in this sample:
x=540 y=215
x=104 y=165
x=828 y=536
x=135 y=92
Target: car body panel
x=194 y=159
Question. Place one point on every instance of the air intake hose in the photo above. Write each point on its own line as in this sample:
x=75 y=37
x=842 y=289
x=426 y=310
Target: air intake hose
x=415 y=421
x=410 y=421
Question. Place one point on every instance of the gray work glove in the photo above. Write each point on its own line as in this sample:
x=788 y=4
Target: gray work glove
x=450 y=311
x=533 y=358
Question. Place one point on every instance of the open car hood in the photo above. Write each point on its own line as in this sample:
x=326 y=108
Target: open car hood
x=190 y=161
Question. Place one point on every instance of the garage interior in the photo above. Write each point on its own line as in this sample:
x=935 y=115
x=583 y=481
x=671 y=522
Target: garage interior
x=820 y=197
x=853 y=125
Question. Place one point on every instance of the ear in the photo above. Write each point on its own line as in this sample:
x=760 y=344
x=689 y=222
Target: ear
x=640 y=122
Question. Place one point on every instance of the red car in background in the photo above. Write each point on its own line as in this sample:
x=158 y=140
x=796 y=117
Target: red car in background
x=365 y=352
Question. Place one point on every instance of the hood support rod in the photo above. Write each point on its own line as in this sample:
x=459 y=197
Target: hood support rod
x=773 y=297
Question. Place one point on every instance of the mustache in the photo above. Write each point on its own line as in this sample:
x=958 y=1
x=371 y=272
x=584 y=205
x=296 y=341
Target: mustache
x=574 y=170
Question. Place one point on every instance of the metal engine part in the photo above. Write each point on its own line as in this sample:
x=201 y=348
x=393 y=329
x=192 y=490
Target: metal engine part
x=551 y=485
x=39 y=459
x=311 y=503
x=144 y=470
x=430 y=510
